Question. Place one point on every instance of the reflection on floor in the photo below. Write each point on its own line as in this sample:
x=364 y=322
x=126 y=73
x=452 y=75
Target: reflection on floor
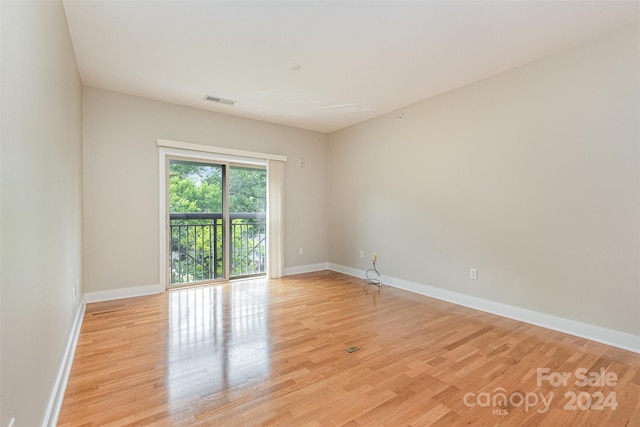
x=272 y=352
x=218 y=338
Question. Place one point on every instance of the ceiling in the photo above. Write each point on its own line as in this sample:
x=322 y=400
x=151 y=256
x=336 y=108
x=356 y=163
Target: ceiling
x=358 y=59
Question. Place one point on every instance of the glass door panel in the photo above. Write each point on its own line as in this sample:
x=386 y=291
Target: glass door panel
x=197 y=222
x=248 y=218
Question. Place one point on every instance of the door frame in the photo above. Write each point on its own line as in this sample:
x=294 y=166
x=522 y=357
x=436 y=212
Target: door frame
x=169 y=149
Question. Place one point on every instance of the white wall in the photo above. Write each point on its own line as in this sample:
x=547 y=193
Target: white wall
x=121 y=182
x=41 y=204
x=531 y=176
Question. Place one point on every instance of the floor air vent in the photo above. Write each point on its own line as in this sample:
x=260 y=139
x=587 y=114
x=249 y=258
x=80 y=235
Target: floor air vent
x=219 y=100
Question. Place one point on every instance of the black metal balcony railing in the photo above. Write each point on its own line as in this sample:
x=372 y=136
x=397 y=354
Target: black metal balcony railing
x=196 y=249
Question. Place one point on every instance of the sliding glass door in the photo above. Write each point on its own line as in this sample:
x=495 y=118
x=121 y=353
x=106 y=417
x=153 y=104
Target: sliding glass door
x=217 y=221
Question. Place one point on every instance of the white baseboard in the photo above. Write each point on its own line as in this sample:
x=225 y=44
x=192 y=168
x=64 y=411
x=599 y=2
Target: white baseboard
x=111 y=294
x=309 y=268
x=583 y=330
x=347 y=270
x=60 y=386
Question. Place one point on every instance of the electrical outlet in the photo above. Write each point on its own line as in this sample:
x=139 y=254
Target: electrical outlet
x=301 y=251
x=473 y=273
x=361 y=253
x=12 y=422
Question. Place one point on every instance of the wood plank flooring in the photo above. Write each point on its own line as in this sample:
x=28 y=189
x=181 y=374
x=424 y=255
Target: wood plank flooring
x=272 y=352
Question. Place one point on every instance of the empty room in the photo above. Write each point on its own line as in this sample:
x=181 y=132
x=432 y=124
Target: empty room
x=319 y=213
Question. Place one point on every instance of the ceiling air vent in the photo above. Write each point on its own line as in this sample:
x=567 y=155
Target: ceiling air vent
x=219 y=100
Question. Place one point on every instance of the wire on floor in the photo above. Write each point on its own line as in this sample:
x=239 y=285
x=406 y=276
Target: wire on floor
x=371 y=280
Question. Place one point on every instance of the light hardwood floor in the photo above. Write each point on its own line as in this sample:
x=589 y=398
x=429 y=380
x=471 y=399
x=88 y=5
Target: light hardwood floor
x=272 y=352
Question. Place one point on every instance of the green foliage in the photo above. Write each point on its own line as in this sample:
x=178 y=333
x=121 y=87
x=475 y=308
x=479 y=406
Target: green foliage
x=248 y=190
x=194 y=187
x=196 y=245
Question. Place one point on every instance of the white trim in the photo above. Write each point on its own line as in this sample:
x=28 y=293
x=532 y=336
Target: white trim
x=599 y=334
x=218 y=150
x=347 y=270
x=309 y=268
x=211 y=157
x=112 y=294
x=163 y=222
x=60 y=386
x=168 y=148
